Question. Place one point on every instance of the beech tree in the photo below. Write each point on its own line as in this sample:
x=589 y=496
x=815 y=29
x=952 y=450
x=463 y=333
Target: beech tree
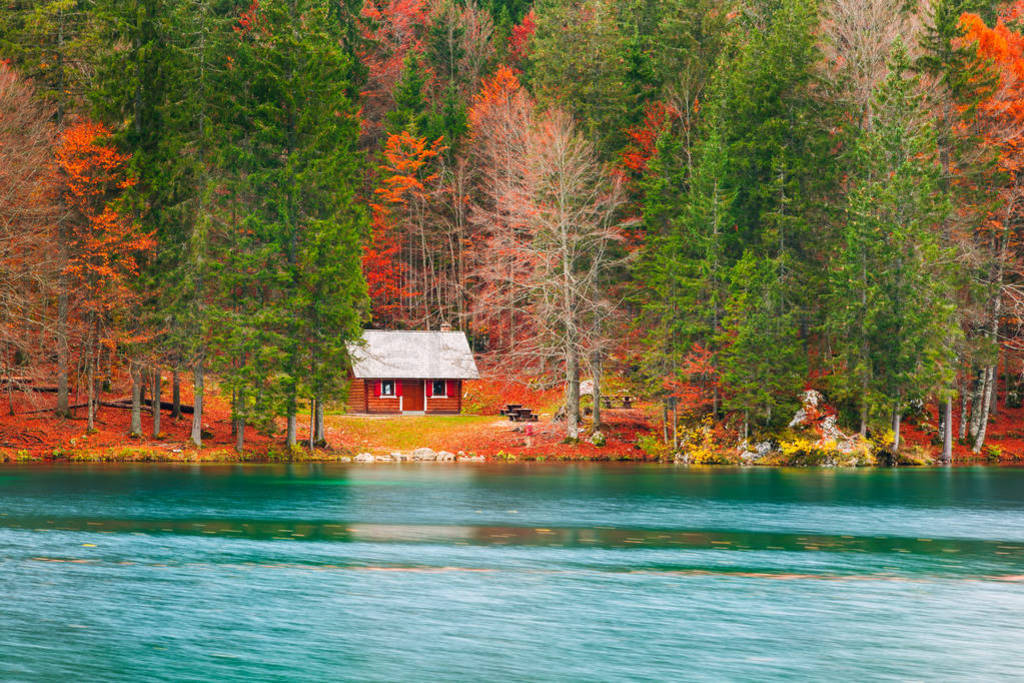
x=573 y=219
x=105 y=246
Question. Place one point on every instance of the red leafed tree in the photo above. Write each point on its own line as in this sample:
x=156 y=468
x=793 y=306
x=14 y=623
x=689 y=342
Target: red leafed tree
x=104 y=244
x=997 y=240
x=697 y=379
x=519 y=38
x=392 y=28
x=500 y=121
x=643 y=139
x=396 y=262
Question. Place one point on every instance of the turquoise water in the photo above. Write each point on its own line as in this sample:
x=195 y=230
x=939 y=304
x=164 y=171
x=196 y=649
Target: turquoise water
x=543 y=572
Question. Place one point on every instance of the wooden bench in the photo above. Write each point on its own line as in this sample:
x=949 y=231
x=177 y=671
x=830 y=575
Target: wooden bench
x=522 y=415
x=510 y=408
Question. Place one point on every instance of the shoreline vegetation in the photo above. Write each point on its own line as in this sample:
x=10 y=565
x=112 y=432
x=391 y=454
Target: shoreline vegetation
x=635 y=435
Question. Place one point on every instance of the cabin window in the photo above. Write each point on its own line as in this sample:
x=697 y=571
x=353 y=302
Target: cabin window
x=387 y=387
x=439 y=389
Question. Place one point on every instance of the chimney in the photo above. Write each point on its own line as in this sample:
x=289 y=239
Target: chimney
x=446 y=327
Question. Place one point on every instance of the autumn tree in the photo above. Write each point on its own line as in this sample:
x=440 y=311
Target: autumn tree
x=105 y=246
x=572 y=215
x=29 y=211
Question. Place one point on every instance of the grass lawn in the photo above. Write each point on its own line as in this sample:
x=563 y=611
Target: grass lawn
x=403 y=433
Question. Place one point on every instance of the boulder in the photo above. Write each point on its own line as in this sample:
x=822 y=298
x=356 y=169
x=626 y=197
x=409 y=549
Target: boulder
x=471 y=458
x=383 y=458
x=445 y=456
x=424 y=454
x=811 y=400
x=398 y=456
x=364 y=457
x=345 y=458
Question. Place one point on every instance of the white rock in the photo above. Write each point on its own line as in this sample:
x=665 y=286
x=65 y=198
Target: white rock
x=424 y=454
x=364 y=457
x=400 y=457
x=445 y=456
x=383 y=458
x=471 y=458
x=597 y=438
x=344 y=458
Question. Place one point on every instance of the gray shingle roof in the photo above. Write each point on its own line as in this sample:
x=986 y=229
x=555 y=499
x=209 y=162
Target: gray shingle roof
x=396 y=354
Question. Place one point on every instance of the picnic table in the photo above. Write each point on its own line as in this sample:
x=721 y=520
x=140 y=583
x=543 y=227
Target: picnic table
x=625 y=399
x=517 y=413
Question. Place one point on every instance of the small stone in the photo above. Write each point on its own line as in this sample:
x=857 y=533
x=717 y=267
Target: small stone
x=597 y=438
x=364 y=457
x=345 y=458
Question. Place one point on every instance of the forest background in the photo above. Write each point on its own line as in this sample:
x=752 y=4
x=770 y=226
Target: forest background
x=724 y=202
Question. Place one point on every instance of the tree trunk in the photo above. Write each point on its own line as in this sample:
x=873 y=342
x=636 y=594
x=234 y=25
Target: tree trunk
x=312 y=424
x=238 y=421
x=292 y=437
x=964 y=405
x=572 y=394
x=897 y=418
x=986 y=402
x=597 y=391
x=863 y=418
x=977 y=398
x=90 y=409
x=62 y=352
x=175 y=395
x=947 y=432
x=135 y=428
x=321 y=439
x=197 y=404
x=675 y=425
x=156 y=403
x=664 y=423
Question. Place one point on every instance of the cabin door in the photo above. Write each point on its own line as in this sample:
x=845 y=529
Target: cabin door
x=412 y=395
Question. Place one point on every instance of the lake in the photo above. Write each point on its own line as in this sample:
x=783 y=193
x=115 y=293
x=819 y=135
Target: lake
x=511 y=572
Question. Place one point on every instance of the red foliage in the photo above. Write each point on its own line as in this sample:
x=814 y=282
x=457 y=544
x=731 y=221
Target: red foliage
x=696 y=390
x=519 y=39
x=405 y=180
x=643 y=139
x=392 y=28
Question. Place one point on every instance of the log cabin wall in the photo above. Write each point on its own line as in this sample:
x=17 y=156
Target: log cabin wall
x=451 y=404
x=379 y=404
x=357 y=396
x=361 y=399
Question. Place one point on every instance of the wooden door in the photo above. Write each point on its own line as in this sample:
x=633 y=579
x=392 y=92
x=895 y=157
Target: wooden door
x=412 y=394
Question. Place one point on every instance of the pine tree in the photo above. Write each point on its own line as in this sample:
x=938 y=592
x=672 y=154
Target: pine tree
x=890 y=308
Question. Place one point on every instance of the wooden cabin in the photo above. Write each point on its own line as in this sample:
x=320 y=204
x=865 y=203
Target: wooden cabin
x=410 y=372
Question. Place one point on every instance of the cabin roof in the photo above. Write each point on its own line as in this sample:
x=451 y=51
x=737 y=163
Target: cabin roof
x=400 y=354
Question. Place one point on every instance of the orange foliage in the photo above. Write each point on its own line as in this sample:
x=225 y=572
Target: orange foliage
x=497 y=91
x=405 y=180
x=104 y=244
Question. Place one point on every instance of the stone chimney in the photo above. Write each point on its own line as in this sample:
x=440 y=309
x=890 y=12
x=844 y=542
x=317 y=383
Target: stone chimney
x=446 y=327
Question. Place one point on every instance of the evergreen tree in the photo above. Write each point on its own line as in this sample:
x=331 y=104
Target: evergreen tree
x=890 y=307
x=291 y=278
